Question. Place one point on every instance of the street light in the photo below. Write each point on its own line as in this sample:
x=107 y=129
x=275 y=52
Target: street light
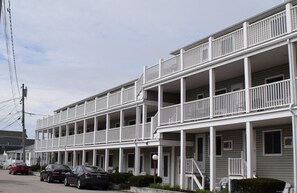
x=155 y=158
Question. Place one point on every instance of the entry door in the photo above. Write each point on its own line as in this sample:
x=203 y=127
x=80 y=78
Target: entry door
x=200 y=151
x=166 y=175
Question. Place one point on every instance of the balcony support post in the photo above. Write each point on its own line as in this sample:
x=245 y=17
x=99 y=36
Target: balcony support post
x=212 y=156
x=210 y=40
x=94 y=157
x=160 y=103
x=160 y=68
x=95 y=129
x=245 y=34
x=137 y=123
x=289 y=17
x=84 y=130
x=294 y=135
x=212 y=88
x=136 y=160
x=107 y=127
x=66 y=158
x=182 y=59
x=60 y=134
x=121 y=123
x=172 y=166
x=83 y=158
x=106 y=160
x=247 y=82
x=160 y=161
x=293 y=73
x=121 y=157
x=182 y=158
x=182 y=98
x=249 y=149
x=59 y=157
x=144 y=74
x=75 y=133
x=144 y=118
x=74 y=159
x=67 y=134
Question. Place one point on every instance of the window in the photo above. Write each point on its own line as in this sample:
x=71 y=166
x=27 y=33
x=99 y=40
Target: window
x=288 y=142
x=221 y=91
x=274 y=79
x=110 y=160
x=132 y=122
x=117 y=125
x=218 y=145
x=228 y=145
x=200 y=96
x=130 y=160
x=272 y=142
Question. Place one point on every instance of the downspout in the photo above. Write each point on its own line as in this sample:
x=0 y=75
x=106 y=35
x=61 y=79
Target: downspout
x=294 y=144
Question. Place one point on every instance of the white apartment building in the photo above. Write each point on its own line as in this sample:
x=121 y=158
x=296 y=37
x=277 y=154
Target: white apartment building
x=223 y=107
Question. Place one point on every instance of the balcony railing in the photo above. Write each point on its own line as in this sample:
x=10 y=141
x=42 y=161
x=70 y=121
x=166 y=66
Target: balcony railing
x=55 y=142
x=147 y=130
x=70 y=140
x=62 y=141
x=195 y=110
x=170 y=66
x=80 y=110
x=128 y=132
x=79 y=139
x=196 y=56
x=152 y=73
x=129 y=94
x=90 y=106
x=114 y=99
x=101 y=103
x=113 y=135
x=71 y=113
x=101 y=136
x=64 y=115
x=236 y=167
x=170 y=115
x=89 y=138
x=294 y=18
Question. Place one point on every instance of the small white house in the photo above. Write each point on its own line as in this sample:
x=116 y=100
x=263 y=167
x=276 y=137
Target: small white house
x=17 y=156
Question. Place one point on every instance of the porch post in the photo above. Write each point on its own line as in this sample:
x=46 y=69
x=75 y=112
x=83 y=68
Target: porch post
x=74 y=159
x=106 y=160
x=95 y=129
x=182 y=98
x=138 y=133
x=293 y=73
x=120 y=159
x=249 y=149
x=144 y=117
x=107 y=127
x=121 y=123
x=160 y=103
x=172 y=166
x=75 y=133
x=247 y=83
x=160 y=161
x=212 y=88
x=84 y=131
x=66 y=158
x=182 y=158
x=94 y=157
x=294 y=135
x=59 y=157
x=212 y=156
x=136 y=160
x=83 y=159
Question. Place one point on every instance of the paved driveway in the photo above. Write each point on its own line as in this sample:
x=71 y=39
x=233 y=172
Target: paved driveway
x=31 y=184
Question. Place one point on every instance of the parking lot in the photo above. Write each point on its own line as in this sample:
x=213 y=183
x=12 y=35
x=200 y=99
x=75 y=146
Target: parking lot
x=24 y=184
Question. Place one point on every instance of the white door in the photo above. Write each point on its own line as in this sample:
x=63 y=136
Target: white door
x=200 y=152
x=166 y=171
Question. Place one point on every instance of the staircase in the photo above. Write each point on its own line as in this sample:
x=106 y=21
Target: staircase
x=193 y=171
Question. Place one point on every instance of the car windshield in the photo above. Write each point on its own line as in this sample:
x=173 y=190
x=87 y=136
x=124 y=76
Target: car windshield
x=90 y=169
x=20 y=164
x=60 y=167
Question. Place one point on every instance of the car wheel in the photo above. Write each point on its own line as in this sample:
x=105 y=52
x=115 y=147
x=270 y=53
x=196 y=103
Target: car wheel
x=13 y=173
x=105 y=187
x=41 y=177
x=9 y=172
x=49 y=179
x=78 y=184
x=66 y=182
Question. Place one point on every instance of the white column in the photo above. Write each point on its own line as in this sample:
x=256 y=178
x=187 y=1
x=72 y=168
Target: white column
x=136 y=161
x=121 y=159
x=59 y=157
x=289 y=17
x=60 y=134
x=106 y=159
x=107 y=126
x=212 y=88
x=144 y=118
x=247 y=83
x=121 y=123
x=172 y=166
x=84 y=131
x=122 y=95
x=160 y=103
x=160 y=67
x=95 y=129
x=182 y=158
x=160 y=161
x=210 y=39
x=212 y=157
x=293 y=73
x=137 y=124
x=245 y=35
x=249 y=149
x=182 y=59
x=294 y=138
x=46 y=157
x=74 y=159
x=75 y=132
x=67 y=134
x=66 y=158
x=94 y=157
x=83 y=157
x=182 y=98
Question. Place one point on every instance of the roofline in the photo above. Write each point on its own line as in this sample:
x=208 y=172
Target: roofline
x=238 y=25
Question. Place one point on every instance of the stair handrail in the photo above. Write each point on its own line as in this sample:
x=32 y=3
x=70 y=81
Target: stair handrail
x=198 y=169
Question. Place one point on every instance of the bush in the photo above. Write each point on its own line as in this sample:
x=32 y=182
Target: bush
x=165 y=187
x=258 y=185
x=143 y=181
x=35 y=167
x=43 y=167
x=119 y=178
x=203 y=191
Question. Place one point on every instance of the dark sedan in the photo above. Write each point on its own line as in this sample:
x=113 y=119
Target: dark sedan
x=87 y=176
x=54 y=172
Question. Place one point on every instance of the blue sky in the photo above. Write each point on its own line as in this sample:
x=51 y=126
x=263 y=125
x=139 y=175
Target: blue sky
x=67 y=50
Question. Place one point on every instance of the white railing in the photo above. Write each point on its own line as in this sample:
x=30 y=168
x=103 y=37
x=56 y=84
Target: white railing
x=79 y=139
x=55 y=142
x=63 y=115
x=62 y=141
x=39 y=123
x=170 y=114
x=57 y=117
x=50 y=120
x=139 y=132
x=101 y=103
x=128 y=132
x=113 y=135
x=90 y=106
x=147 y=131
x=267 y=28
x=89 y=138
x=152 y=73
x=38 y=144
x=154 y=123
x=294 y=18
x=198 y=109
x=44 y=122
x=196 y=56
x=80 y=110
x=70 y=140
x=271 y=95
x=227 y=44
x=101 y=136
x=43 y=144
x=139 y=84
x=170 y=66
x=114 y=99
x=193 y=169
x=229 y=103
x=236 y=167
x=129 y=94
x=71 y=112
x=49 y=143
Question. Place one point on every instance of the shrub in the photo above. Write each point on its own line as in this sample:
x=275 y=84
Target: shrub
x=43 y=167
x=258 y=185
x=143 y=181
x=119 y=178
x=203 y=191
x=35 y=167
x=165 y=187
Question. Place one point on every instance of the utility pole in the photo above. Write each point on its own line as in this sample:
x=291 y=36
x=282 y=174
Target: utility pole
x=24 y=94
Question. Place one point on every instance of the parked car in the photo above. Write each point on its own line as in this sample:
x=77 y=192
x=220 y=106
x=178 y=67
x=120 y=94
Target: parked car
x=54 y=172
x=87 y=176
x=19 y=167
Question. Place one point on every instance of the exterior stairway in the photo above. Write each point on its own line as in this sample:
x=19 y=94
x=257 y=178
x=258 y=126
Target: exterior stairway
x=194 y=172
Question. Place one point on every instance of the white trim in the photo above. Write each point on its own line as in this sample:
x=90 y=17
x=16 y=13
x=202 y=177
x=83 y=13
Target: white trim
x=228 y=148
x=288 y=146
x=263 y=145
